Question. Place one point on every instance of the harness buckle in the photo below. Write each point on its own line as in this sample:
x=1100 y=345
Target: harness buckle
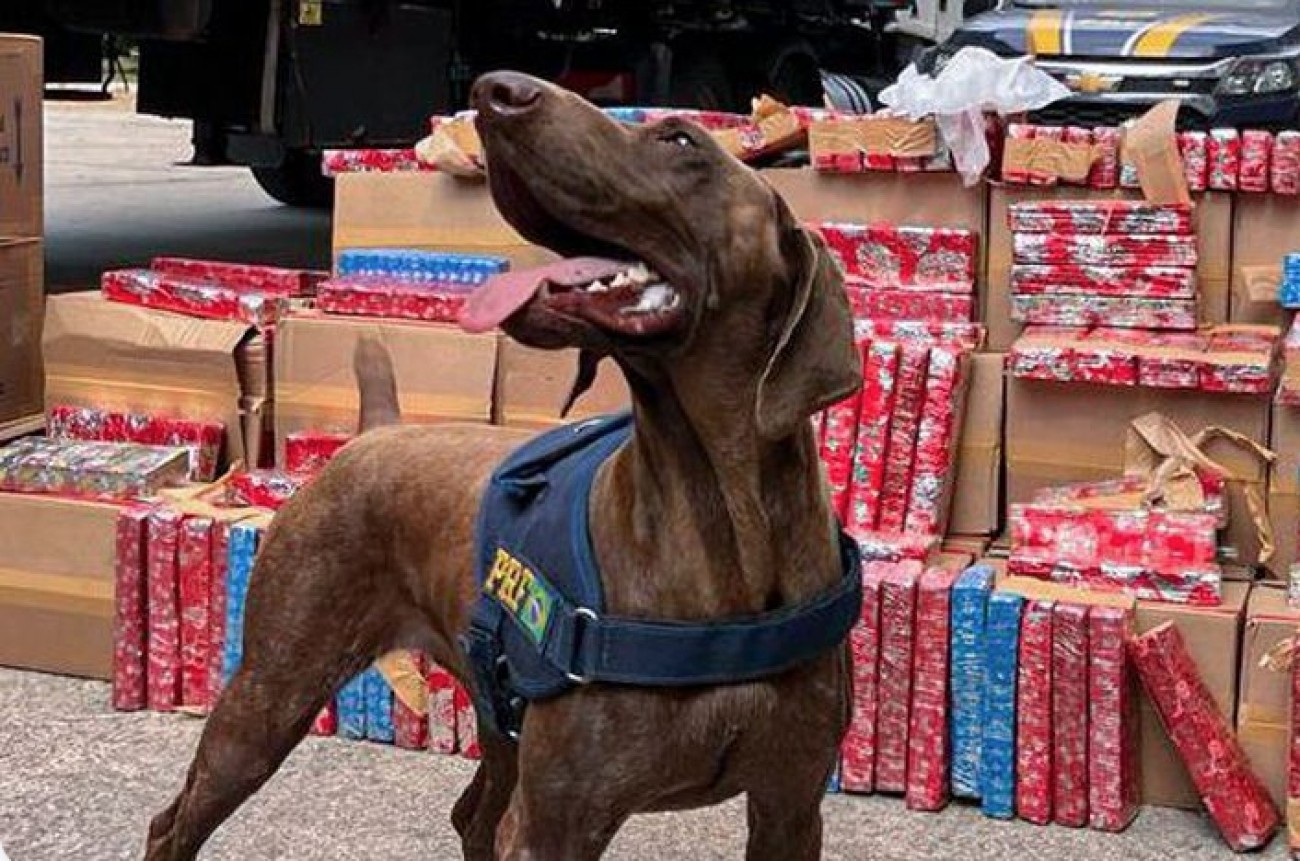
x=578 y=632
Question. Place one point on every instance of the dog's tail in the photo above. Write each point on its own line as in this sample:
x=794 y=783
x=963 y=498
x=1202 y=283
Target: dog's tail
x=377 y=385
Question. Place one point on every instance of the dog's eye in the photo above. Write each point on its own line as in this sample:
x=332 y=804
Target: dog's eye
x=681 y=139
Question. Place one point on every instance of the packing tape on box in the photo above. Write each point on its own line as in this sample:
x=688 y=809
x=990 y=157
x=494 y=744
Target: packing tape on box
x=403 y=675
x=82 y=595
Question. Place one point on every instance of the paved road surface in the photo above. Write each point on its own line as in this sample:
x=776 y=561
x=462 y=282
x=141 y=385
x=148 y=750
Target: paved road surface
x=117 y=194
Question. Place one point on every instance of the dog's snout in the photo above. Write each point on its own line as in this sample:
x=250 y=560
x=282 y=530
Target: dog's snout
x=506 y=94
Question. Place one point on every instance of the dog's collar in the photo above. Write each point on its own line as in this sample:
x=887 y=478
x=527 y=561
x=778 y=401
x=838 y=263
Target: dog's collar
x=539 y=628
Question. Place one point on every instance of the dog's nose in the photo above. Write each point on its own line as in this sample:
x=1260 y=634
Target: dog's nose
x=506 y=93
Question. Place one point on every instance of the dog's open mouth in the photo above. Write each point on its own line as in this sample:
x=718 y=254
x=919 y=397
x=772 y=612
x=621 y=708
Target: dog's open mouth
x=627 y=298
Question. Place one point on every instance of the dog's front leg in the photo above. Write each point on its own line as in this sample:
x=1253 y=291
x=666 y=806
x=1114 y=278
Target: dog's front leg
x=555 y=830
x=786 y=827
x=479 y=810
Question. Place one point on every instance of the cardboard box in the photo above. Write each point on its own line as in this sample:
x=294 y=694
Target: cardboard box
x=22 y=307
x=531 y=387
x=1212 y=635
x=1059 y=433
x=432 y=211
x=443 y=374
x=22 y=190
x=1284 y=488
x=1264 y=701
x=120 y=357
x=1265 y=228
x=920 y=199
x=56 y=584
x=1212 y=220
x=977 y=495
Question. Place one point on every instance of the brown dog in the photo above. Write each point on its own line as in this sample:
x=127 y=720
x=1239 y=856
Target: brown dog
x=715 y=508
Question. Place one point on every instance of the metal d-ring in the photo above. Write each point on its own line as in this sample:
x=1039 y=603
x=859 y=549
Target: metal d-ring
x=590 y=615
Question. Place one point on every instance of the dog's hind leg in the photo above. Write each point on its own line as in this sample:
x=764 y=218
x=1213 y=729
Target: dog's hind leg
x=479 y=810
x=310 y=626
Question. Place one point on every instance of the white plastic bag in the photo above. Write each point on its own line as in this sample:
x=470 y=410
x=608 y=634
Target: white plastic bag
x=974 y=81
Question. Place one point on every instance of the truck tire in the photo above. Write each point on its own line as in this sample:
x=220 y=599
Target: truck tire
x=793 y=76
x=298 y=181
x=700 y=80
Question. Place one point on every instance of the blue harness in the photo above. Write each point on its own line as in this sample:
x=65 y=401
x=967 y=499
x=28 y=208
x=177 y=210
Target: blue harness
x=538 y=628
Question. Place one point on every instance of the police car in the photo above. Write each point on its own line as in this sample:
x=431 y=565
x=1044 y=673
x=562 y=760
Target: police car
x=1229 y=62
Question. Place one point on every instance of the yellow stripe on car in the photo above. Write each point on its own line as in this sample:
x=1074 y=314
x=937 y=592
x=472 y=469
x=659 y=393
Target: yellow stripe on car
x=1043 y=33
x=1159 y=39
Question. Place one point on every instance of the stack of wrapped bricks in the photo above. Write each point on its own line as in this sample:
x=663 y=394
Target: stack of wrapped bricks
x=1069 y=385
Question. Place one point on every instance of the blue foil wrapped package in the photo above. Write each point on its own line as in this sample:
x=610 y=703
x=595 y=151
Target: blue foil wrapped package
x=998 y=753
x=241 y=548
x=1288 y=294
x=969 y=607
x=351 y=707
x=379 y=707
x=409 y=264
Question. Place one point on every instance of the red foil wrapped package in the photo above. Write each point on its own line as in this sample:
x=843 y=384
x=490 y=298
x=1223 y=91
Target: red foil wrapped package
x=1044 y=353
x=1293 y=763
x=130 y=600
x=907 y=305
x=327 y=722
x=191 y=296
x=901 y=257
x=1170 y=368
x=896 y=492
x=113 y=472
x=927 y=735
x=1070 y=715
x=1103 y=364
x=1256 y=156
x=896 y=546
x=202 y=439
x=309 y=451
x=217 y=608
x=1120 y=312
x=164 y=643
x=839 y=436
x=392 y=298
x=880 y=377
x=411 y=727
x=1284 y=176
x=1105 y=170
x=337 y=161
x=264 y=488
x=246 y=277
x=1113 y=760
x=1091 y=250
x=1234 y=796
x=936 y=443
x=194 y=556
x=897 y=615
x=858 y=750
x=1224 y=155
x=1100 y=217
x=466 y=725
x=1195 y=150
x=1034 y=775
x=1152 y=282
x=968 y=336
x=442 y=711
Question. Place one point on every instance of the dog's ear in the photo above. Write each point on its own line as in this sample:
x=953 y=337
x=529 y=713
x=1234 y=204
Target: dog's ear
x=815 y=363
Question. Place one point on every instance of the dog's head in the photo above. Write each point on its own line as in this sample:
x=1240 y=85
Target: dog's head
x=680 y=261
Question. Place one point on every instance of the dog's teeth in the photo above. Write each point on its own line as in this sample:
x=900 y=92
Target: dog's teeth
x=597 y=287
x=655 y=298
x=621 y=280
x=639 y=273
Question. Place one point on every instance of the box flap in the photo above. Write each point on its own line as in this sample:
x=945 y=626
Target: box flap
x=21 y=136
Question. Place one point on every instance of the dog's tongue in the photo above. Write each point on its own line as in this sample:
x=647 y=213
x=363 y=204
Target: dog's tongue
x=503 y=295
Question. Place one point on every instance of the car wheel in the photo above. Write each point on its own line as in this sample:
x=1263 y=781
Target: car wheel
x=297 y=181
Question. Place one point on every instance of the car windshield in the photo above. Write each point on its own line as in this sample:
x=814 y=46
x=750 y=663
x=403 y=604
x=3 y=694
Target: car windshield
x=1176 y=5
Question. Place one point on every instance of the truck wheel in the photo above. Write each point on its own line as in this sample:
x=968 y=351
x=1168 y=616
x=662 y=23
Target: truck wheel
x=700 y=81
x=793 y=75
x=297 y=181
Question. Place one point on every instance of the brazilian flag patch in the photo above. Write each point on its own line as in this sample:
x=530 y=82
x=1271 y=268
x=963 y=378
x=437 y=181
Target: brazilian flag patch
x=521 y=592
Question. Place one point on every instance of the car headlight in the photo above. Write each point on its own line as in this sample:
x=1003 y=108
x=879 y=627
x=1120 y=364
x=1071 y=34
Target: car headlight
x=1258 y=77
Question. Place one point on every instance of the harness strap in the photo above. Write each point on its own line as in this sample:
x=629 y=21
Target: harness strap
x=592 y=648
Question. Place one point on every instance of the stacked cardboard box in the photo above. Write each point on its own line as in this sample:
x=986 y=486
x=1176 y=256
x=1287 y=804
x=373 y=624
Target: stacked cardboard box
x=22 y=260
